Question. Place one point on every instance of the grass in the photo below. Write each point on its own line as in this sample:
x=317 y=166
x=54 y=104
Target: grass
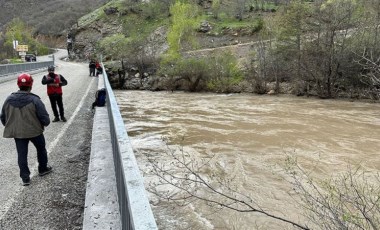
x=224 y=22
x=137 y=28
x=15 y=61
x=98 y=13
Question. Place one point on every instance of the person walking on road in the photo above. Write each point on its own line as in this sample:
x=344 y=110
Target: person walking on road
x=54 y=84
x=25 y=117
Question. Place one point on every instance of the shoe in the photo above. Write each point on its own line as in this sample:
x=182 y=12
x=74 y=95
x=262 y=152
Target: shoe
x=55 y=119
x=26 y=181
x=63 y=119
x=48 y=170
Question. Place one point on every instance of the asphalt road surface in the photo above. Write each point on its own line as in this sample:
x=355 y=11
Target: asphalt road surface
x=62 y=139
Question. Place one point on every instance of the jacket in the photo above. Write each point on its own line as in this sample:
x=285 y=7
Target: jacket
x=24 y=115
x=54 y=84
x=92 y=65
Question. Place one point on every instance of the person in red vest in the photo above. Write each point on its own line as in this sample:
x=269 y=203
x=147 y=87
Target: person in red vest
x=54 y=84
x=98 y=68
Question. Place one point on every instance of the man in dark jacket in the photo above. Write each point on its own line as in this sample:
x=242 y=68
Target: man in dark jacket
x=54 y=84
x=24 y=116
x=92 y=67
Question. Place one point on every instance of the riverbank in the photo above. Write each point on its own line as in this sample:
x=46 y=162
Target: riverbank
x=132 y=80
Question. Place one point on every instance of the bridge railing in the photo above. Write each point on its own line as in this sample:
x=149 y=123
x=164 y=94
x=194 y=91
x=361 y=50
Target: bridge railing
x=23 y=67
x=135 y=210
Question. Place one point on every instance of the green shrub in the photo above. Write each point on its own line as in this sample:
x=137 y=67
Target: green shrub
x=154 y=10
x=189 y=74
x=112 y=45
x=224 y=73
x=18 y=30
x=184 y=22
x=136 y=54
x=220 y=73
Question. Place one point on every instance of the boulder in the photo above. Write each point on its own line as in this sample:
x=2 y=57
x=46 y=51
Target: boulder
x=111 y=10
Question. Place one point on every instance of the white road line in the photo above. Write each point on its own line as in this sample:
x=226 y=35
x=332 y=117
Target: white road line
x=68 y=123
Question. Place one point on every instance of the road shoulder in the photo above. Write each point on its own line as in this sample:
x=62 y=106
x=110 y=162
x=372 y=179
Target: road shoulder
x=56 y=201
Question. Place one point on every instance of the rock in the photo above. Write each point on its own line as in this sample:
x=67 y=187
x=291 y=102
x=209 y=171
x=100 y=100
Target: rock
x=271 y=92
x=205 y=27
x=111 y=10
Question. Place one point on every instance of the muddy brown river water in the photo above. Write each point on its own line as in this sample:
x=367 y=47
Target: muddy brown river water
x=249 y=137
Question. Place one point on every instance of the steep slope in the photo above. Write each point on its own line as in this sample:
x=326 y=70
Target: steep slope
x=49 y=17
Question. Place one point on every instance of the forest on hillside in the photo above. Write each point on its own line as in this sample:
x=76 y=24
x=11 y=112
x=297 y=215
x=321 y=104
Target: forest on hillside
x=331 y=46
x=324 y=48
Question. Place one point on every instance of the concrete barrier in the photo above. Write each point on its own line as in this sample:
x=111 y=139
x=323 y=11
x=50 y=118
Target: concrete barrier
x=115 y=195
x=14 y=69
x=101 y=205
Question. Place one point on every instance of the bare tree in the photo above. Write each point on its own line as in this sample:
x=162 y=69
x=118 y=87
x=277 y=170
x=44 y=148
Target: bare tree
x=240 y=6
x=189 y=182
x=331 y=21
x=370 y=74
x=348 y=201
x=316 y=42
x=263 y=68
x=292 y=24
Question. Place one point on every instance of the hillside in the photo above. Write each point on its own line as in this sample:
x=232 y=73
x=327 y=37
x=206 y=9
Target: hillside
x=48 y=17
x=137 y=23
x=136 y=35
x=142 y=34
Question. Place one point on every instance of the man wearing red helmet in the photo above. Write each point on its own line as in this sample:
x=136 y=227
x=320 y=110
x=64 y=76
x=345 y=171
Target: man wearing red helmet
x=24 y=116
x=54 y=84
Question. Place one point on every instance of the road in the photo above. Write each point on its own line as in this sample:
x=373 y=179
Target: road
x=80 y=86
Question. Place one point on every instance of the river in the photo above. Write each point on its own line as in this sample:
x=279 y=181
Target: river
x=248 y=138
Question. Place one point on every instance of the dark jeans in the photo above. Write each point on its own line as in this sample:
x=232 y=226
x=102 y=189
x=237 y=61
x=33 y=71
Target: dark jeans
x=22 y=151
x=56 y=99
x=92 y=71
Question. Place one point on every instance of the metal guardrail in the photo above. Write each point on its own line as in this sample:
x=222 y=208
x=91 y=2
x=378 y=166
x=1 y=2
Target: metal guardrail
x=23 y=67
x=135 y=210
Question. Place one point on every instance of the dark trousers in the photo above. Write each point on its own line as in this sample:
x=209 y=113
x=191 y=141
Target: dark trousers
x=22 y=151
x=99 y=71
x=56 y=100
x=92 y=71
